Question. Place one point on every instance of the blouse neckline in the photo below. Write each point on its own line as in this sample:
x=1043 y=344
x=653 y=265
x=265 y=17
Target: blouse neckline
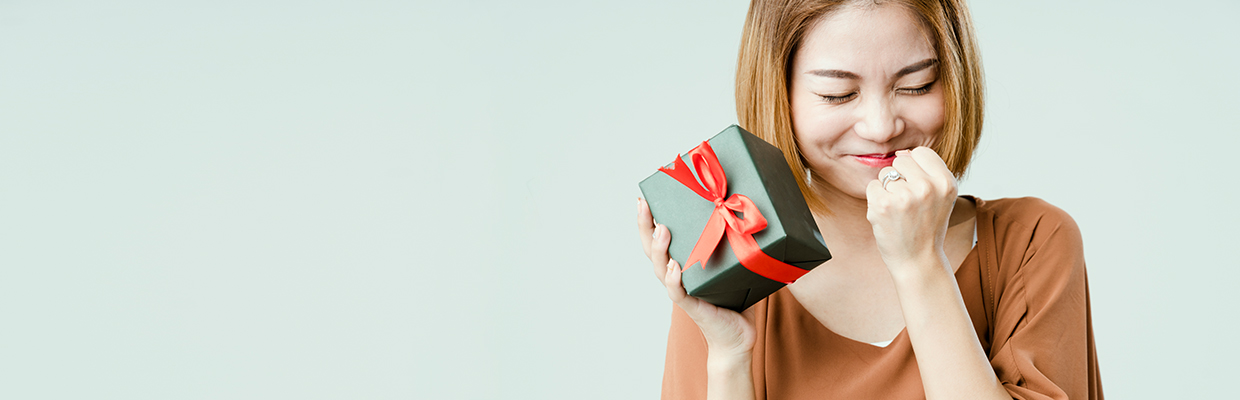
x=901 y=338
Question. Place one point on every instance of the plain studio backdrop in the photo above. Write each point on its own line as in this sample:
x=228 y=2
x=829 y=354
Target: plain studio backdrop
x=436 y=200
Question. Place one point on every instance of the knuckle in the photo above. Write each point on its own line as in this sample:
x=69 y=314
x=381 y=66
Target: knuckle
x=947 y=191
x=922 y=191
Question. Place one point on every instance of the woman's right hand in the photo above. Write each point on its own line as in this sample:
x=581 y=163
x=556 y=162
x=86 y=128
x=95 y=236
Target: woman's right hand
x=729 y=334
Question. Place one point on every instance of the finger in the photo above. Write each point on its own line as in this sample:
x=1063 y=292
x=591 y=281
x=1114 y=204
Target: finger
x=883 y=172
x=874 y=192
x=934 y=166
x=933 y=179
x=891 y=183
x=658 y=249
x=676 y=291
x=645 y=225
x=909 y=167
x=929 y=159
x=671 y=279
x=875 y=196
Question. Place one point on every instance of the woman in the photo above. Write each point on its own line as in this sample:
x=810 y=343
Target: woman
x=877 y=107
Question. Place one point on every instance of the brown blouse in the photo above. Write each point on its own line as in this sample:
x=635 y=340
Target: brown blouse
x=1025 y=288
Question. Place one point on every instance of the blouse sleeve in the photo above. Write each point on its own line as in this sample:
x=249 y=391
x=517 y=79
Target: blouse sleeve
x=1043 y=337
x=684 y=371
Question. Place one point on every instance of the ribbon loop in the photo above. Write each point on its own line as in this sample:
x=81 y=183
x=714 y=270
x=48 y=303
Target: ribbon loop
x=723 y=220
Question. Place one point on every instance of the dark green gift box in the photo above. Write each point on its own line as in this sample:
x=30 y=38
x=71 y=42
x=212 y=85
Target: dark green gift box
x=756 y=169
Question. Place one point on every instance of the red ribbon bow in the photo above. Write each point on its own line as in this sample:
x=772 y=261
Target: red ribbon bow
x=723 y=220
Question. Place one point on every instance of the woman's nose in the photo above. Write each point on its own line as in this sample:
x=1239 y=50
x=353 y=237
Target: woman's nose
x=878 y=121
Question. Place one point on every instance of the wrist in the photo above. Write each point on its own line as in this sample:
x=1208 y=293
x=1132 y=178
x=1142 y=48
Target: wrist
x=729 y=376
x=919 y=270
x=728 y=364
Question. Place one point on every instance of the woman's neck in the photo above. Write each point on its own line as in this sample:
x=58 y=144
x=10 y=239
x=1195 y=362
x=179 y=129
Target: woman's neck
x=845 y=226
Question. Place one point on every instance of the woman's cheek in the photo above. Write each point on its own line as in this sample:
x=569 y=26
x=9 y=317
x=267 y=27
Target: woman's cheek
x=814 y=144
x=928 y=114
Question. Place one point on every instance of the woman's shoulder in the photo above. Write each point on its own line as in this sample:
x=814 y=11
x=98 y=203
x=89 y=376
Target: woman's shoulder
x=1025 y=215
x=1032 y=235
x=1027 y=229
x=1024 y=210
x=1034 y=280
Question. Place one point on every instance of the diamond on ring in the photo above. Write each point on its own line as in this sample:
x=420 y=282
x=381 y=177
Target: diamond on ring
x=892 y=175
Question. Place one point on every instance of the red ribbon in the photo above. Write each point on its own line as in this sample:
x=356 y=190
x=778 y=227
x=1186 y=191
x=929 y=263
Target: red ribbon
x=723 y=220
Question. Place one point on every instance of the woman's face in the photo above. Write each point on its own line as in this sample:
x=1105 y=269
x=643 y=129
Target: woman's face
x=864 y=84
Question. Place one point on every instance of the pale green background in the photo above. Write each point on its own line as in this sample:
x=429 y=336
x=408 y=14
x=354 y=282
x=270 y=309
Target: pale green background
x=391 y=200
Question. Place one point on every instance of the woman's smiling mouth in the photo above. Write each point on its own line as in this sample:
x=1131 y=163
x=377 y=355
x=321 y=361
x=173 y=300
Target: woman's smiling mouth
x=876 y=160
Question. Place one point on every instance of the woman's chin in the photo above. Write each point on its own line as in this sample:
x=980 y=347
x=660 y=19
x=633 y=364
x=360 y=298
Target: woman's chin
x=854 y=191
x=857 y=194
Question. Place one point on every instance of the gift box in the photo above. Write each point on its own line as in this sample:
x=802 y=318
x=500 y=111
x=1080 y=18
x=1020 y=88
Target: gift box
x=734 y=202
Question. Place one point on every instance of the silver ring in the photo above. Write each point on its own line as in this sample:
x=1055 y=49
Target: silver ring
x=892 y=175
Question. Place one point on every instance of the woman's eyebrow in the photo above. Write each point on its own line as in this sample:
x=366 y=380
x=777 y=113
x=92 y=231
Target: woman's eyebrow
x=835 y=73
x=918 y=66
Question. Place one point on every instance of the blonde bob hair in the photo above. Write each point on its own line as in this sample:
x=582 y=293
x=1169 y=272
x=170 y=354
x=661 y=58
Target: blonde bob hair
x=774 y=30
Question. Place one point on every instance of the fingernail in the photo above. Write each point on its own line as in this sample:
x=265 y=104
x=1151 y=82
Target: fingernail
x=669 y=264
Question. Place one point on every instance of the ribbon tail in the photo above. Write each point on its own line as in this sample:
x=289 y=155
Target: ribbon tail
x=709 y=239
x=680 y=172
x=753 y=259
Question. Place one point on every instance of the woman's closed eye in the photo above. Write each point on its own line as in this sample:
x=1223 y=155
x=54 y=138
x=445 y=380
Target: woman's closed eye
x=837 y=99
x=844 y=98
x=923 y=89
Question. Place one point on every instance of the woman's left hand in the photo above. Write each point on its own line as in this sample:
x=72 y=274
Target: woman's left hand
x=910 y=215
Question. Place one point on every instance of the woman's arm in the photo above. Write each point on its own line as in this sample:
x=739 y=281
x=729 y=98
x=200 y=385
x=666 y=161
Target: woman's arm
x=909 y=217
x=729 y=343
x=729 y=377
x=729 y=335
x=949 y=357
